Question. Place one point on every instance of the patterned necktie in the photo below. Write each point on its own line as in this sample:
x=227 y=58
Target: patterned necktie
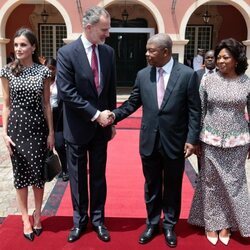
x=94 y=66
x=160 y=87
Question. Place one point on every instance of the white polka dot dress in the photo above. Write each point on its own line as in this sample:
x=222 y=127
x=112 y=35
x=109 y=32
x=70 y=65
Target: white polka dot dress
x=27 y=126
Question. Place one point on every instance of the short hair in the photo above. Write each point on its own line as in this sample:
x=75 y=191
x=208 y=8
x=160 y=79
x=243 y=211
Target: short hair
x=92 y=15
x=162 y=40
x=237 y=50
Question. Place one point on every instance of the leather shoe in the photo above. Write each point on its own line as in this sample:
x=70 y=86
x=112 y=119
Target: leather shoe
x=29 y=236
x=148 y=234
x=75 y=234
x=170 y=237
x=102 y=233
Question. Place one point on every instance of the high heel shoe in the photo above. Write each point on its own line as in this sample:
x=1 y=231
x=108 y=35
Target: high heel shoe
x=213 y=240
x=36 y=230
x=225 y=239
x=29 y=236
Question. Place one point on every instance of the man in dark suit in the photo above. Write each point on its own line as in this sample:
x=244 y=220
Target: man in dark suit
x=86 y=85
x=209 y=63
x=169 y=132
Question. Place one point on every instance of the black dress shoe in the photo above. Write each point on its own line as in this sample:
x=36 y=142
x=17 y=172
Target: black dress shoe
x=38 y=231
x=29 y=236
x=75 y=234
x=170 y=237
x=102 y=233
x=148 y=234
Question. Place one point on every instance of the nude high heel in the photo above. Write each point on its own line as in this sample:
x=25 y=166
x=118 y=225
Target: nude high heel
x=212 y=239
x=225 y=238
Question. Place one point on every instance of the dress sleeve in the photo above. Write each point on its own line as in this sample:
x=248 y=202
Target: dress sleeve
x=46 y=73
x=4 y=73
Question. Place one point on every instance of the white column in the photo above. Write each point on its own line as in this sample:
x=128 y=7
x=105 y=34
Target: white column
x=179 y=48
x=3 y=57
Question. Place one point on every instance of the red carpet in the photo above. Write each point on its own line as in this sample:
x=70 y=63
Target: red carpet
x=125 y=181
x=124 y=233
x=125 y=211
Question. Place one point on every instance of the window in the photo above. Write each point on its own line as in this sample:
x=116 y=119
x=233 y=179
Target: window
x=199 y=37
x=50 y=38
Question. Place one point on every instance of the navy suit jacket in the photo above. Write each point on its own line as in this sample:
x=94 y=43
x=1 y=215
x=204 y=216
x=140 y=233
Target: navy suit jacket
x=75 y=83
x=200 y=74
x=177 y=120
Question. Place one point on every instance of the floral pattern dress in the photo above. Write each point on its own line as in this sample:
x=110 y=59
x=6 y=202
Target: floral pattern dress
x=27 y=126
x=221 y=198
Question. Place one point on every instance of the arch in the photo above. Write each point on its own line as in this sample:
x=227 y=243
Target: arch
x=241 y=6
x=10 y=5
x=149 y=6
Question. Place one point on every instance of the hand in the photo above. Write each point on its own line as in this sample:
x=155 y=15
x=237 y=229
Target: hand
x=197 y=150
x=8 y=143
x=105 y=118
x=50 y=141
x=188 y=149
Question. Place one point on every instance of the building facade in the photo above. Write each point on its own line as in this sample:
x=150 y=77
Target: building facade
x=192 y=24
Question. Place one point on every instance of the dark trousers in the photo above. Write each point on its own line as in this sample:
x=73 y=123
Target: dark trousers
x=60 y=147
x=163 y=186
x=95 y=152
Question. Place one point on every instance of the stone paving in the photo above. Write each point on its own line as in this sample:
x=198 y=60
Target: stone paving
x=8 y=203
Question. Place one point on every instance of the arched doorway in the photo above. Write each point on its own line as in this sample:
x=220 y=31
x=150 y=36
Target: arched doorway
x=128 y=38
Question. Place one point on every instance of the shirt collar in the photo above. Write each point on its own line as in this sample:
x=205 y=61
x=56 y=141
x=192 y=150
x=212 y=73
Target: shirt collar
x=168 y=66
x=86 y=43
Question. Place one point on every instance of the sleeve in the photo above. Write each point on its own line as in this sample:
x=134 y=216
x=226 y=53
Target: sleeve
x=67 y=89
x=194 y=109
x=4 y=73
x=46 y=73
x=131 y=105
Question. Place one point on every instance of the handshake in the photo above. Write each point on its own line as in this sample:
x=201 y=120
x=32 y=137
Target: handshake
x=106 y=118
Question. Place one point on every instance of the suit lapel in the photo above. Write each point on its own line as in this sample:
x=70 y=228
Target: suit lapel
x=102 y=65
x=174 y=75
x=153 y=85
x=83 y=63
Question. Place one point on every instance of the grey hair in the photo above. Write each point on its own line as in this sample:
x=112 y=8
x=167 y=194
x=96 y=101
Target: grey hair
x=92 y=15
x=162 y=40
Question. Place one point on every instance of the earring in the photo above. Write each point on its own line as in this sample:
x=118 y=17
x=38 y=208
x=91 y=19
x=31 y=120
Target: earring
x=33 y=52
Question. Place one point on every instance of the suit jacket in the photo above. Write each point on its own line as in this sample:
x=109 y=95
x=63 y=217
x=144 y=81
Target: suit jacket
x=200 y=74
x=177 y=120
x=76 y=88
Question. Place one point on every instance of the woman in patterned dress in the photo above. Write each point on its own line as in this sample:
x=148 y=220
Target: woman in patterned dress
x=27 y=124
x=221 y=202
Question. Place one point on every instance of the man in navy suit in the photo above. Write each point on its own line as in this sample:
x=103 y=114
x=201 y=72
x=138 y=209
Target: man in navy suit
x=86 y=84
x=169 y=132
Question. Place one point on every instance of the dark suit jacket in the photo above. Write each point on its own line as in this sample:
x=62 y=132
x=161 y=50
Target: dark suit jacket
x=200 y=74
x=178 y=119
x=76 y=89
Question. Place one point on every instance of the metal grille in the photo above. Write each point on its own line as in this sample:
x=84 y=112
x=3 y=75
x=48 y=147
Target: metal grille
x=199 y=37
x=50 y=39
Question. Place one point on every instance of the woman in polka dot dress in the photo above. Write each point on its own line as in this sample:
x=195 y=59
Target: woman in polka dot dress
x=27 y=124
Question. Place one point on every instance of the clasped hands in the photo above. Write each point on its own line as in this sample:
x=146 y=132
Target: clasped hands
x=106 y=118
